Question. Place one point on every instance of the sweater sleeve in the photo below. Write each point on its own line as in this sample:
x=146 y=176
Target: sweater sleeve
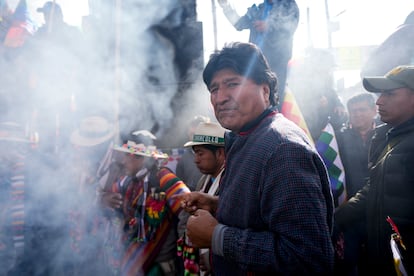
x=353 y=210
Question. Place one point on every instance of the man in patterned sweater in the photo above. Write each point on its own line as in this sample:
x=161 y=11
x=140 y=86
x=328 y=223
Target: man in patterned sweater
x=274 y=213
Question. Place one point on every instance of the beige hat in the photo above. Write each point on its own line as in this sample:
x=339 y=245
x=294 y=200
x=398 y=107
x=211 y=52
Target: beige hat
x=399 y=77
x=140 y=149
x=207 y=134
x=92 y=131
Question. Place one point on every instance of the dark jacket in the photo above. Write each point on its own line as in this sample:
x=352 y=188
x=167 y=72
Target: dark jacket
x=354 y=155
x=389 y=192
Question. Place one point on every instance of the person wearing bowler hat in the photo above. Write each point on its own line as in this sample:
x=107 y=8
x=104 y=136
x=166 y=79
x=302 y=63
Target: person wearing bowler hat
x=92 y=142
x=149 y=213
x=89 y=168
x=385 y=203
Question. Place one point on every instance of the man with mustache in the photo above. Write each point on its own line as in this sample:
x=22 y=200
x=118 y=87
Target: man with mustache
x=390 y=188
x=274 y=212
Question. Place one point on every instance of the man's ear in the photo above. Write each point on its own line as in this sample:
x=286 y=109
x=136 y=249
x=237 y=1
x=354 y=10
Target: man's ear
x=266 y=92
x=220 y=152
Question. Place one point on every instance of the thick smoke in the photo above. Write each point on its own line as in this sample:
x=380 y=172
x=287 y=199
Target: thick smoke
x=139 y=66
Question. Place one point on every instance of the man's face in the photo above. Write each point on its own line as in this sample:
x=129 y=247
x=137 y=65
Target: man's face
x=237 y=100
x=206 y=161
x=397 y=106
x=361 y=115
x=132 y=163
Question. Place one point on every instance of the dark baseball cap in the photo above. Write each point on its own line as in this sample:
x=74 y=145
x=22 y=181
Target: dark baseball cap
x=399 y=77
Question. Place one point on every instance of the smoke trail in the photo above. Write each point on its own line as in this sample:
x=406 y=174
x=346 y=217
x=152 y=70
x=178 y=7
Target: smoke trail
x=54 y=81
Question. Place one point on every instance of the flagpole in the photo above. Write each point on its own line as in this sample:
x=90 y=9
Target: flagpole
x=51 y=15
x=117 y=72
x=214 y=15
x=328 y=23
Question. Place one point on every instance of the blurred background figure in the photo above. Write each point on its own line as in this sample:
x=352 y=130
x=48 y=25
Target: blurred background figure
x=354 y=141
x=312 y=83
x=22 y=27
x=272 y=25
x=14 y=183
x=55 y=71
x=5 y=19
x=88 y=167
x=355 y=138
x=54 y=27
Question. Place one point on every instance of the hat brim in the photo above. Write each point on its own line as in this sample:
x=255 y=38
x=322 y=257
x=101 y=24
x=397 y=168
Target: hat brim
x=153 y=155
x=191 y=143
x=14 y=139
x=82 y=141
x=380 y=84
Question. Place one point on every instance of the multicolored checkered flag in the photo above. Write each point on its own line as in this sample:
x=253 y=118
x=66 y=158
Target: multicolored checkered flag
x=327 y=147
x=290 y=109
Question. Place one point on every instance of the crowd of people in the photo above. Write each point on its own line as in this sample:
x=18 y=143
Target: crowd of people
x=251 y=195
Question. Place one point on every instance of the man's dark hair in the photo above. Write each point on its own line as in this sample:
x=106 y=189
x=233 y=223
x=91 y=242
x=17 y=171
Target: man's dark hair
x=209 y=147
x=245 y=59
x=361 y=97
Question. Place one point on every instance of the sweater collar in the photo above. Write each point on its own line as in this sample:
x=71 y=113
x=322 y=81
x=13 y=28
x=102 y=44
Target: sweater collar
x=231 y=136
x=249 y=127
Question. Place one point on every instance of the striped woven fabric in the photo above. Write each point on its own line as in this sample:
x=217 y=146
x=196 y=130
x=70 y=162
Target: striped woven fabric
x=140 y=255
x=17 y=190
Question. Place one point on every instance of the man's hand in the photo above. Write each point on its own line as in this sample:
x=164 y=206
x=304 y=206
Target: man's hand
x=112 y=200
x=193 y=201
x=200 y=227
